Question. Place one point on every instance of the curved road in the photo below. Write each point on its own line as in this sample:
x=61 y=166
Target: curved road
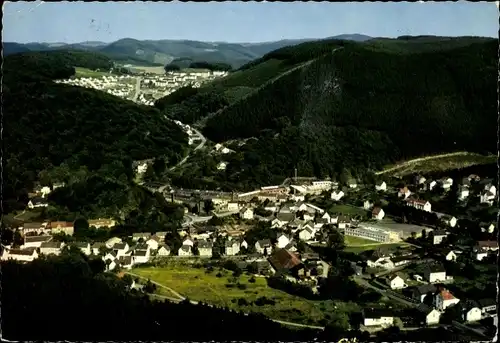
x=198 y=147
x=181 y=298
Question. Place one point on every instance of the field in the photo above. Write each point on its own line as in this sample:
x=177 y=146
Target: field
x=438 y=163
x=347 y=210
x=84 y=72
x=198 y=285
x=360 y=249
x=154 y=70
x=351 y=240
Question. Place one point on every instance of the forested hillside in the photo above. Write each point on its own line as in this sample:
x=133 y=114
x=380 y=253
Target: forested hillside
x=362 y=107
x=86 y=138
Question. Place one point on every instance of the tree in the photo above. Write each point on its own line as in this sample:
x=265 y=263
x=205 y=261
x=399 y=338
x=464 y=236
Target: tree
x=208 y=206
x=149 y=287
x=81 y=225
x=335 y=240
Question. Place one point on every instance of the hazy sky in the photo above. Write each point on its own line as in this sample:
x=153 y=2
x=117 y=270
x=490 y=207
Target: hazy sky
x=241 y=22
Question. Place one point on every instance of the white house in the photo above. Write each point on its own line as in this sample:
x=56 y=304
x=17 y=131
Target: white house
x=109 y=265
x=419 y=204
x=262 y=245
x=487 y=197
x=185 y=250
x=377 y=317
x=222 y=166
x=126 y=262
x=121 y=249
x=435 y=273
x=337 y=195
x=306 y=234
x=367 y=205
x=35 y=241
x=84 y=247
x=22 y=255
x=163 y=250
x=205 y=248
x=449 y=220
x=141 y=235
x=188 y=241
x=51 y=248
x=141 y=256
x=37 y=202
x=471 y=312
x=244 y=244
x=490 y=188
x=420 y=180
x=352 y=184
x=282 y=241
x=153 y=243
x=431 y=315
x=232 y=247
x=378 y=213
x=430 y=184
x=404 y=193
x=112 y=241
x=463 y=193
x=451 y=256
x=444 y=298
x=326 y=216
x=246 y=213
x=232 y=206
x=397 y=282
x=446 y=183
x=381 y=187
x=438 y=236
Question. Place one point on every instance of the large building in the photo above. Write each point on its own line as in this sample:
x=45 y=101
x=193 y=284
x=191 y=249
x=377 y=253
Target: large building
x=371 y=233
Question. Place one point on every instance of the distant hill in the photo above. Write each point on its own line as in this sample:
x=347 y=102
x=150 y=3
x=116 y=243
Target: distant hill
x=327 y=106
x=162 y=52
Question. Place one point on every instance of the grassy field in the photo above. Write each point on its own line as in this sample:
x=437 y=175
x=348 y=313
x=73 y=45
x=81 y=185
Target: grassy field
x=347 y=210
x=358 y=249
x=350 y=240
x=154 y=70
x=440 y=164
x=84 y=72
x=198 y=285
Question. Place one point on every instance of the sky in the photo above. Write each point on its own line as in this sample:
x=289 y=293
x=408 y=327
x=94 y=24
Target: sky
x=71 y=22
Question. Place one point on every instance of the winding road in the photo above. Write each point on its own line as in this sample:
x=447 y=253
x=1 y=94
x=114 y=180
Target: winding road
x=182 y=298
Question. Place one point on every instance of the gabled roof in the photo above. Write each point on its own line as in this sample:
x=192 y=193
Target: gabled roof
x=435 y=268
x=425 y=289
x=282 y=259
x=204 y=245
x=119 y=246
x=32 y=225
x=446 y=294
x=34 y=239
x=125 y=260
x=439 y=233
x=486 y=302
x=81 y=245
x=52 y=244
x=376 y=211
x=140 y=252
x=24 y=252
x=38 y=200
x=377 y=313
x=487 y=244
x=285 y=217
x=185 y=248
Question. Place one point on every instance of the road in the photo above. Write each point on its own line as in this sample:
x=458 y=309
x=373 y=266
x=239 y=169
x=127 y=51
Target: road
x=137 y=89
x=191 y=219
x=181 y=298
x=366 y=284
x=198 y=147
x=420 y=159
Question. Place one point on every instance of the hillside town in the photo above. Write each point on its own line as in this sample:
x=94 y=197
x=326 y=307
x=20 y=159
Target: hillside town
x=413 y=263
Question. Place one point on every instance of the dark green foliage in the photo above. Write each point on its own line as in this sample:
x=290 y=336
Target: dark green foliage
x=211 y=66
x=83 y=137
x=172 y=67
x=359 y=109
x=176 y=97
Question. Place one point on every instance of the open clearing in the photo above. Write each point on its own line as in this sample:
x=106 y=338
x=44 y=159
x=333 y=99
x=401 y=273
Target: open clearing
x=196 y=284
x=347 y=209
x=360 y=249
x=84 y=72
x=153 y=70
x=438 y=163
x=351 y=240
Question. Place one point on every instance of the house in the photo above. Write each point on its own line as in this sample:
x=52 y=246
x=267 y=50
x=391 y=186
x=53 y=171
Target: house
x=487 y=306
x=337 y=195
x=434 y=273
x=246 y=213
x=306 y=234
x=438 y=236
x=282 y=219
x=97 y=247
x=378 y=213
x=396 y=282
x=285 y=262
x=110 y=256
x=153 y=242
x=444 y=298
x=205 y=248
x=32 y=227
x=188 y=241
x=430 y=315
x=109 y=265
x=37 y=202
x=52 y=247
x=449 y=220
x=420 y=180
x=262 y=245
x=126 y=262
x=233 y=206
x=419 y=204
x=84 y=247
x=141 y=235
x=381 y=187
x=244 y=243
x=470 y=311
x=121 y=249
x=163 y=250
x=486 y=197
x=64 y=227
x=141 y=256
x=474 y=177
x=112 y=241
x=377 y=317
x=450 y=255
x=401 y=260
x=463 y=193
x=232 y=247
x=352 y=184
x=282 y=241
x=185 y=250
x=222 y=166
x=292 y=247
x=161 y=235
x=430 y=184
x=367 y=205
x=446 y=183
x=35 y=241
x=380 y=259
x=21 y=255
x=404 y=193
x=327 y=217
x=101 y=223
x=489 y=187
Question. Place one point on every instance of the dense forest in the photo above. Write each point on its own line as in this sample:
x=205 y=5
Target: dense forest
x=360 y=108
x=178 y=64
x=83 y=137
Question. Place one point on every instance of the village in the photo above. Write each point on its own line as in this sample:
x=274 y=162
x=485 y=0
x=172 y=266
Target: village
x=412 y=264
x=145 y=88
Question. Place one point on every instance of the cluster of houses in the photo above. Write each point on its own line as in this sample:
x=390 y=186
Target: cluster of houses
x=121 y=86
